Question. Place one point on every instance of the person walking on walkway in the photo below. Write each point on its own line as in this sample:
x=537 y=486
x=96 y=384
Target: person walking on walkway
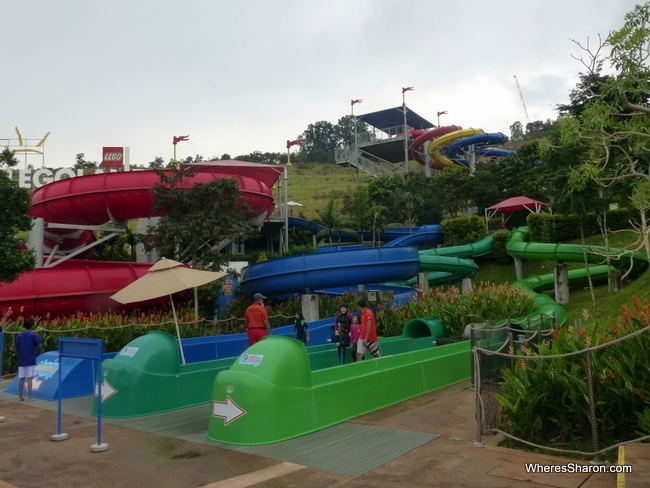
x=301 y=328
x=256 y=320
x=26 y=344
x=368 y=340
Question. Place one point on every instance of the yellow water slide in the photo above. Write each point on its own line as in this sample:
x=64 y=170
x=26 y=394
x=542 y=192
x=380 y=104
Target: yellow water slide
x=444 y=141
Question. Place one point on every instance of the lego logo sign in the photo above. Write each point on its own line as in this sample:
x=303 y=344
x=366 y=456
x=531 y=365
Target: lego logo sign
x=113 y=157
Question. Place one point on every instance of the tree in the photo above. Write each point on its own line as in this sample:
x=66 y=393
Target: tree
x=81 y=163
x=8 y=158
x=114 y=248
x=538 y=128
x=516 y=131
x=454 y=185
x=345 y=130
x=580 y=196
x=263 y=158
x=615 y=123
x=586 y=91
x=378 y=212
x=333 y=220
x=358 y=207
x=157 y=163
x=14 y=215
x=319 y=142
x=197 y=218
x=409 y=198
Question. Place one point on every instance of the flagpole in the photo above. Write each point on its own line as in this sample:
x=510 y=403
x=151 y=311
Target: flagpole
x=176 y=140
x=286 y=201
x=443 y=112
x=286 y=193
x=405 y=129
x=356 y=153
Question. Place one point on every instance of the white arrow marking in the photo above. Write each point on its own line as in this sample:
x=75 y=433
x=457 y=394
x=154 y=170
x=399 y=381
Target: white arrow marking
x=107 y=390
x=227 y=410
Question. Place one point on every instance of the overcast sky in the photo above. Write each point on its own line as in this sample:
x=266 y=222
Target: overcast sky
x=240 y=76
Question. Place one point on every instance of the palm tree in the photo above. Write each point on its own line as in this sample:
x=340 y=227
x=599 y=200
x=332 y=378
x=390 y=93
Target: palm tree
x=131 y=239
x=378 y=213
x=333 y=220
x=409 y=199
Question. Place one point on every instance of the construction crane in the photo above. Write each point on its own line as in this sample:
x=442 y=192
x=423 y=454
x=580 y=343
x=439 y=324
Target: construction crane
x=523 y=103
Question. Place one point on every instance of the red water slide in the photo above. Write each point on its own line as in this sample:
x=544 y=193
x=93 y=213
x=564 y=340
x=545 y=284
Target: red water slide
x=85 y=285
x=421 y=137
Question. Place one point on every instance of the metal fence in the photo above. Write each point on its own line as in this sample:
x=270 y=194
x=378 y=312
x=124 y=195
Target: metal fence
x=584 y=402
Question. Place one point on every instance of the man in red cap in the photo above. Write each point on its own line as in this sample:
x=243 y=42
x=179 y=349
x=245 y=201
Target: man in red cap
x=256 y=320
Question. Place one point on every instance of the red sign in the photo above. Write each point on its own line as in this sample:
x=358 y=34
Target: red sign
x=113 y=157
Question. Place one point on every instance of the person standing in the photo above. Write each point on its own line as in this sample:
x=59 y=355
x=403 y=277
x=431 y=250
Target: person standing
x=341 y=335
x=368 y=340
x=343 y=317
x=26 y=344
x=301 y=328
x=355 y=333
x=256 y=320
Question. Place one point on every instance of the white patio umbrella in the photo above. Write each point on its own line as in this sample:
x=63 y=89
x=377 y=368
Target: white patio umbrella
x=164 y=278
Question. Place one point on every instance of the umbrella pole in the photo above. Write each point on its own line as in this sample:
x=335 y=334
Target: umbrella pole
x=178 y=331
x=196 y=303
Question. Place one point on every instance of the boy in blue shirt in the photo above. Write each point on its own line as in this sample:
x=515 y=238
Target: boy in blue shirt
x=26 y=344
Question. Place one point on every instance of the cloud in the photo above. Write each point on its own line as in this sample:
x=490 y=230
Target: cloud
x=248 y=75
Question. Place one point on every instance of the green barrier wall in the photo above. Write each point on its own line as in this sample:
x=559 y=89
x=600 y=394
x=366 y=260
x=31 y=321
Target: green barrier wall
x=146 y=376
x=270 y=394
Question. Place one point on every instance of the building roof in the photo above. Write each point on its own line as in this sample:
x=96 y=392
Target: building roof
x=392 y=117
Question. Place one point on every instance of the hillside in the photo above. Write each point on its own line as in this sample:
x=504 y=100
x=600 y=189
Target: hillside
x=312 y=184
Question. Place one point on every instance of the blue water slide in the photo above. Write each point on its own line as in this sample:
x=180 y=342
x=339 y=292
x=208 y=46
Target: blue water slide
x=316 y=228
x=456 y=149
x=305 y=224
x=386 y=236
x=425 y=235
x=342 y=267
x=494 y=152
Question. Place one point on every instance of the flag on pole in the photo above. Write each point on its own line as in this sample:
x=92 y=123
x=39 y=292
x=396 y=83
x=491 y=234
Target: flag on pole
x=352 y=102
x=178 y=139
x=444 y=112
x=293 y=143
x=408 y=88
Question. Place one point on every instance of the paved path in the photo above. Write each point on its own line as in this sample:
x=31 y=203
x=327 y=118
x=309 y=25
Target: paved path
x=29 y=458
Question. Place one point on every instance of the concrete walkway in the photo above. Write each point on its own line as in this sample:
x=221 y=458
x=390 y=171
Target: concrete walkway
x=448 y=457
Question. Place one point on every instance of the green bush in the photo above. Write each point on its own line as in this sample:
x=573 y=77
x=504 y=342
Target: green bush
x=463 y=230
x=546 y=401
x=456 y=309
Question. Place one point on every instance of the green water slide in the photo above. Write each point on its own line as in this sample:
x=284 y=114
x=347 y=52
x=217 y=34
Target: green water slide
x=452 y=264
x=519 y=247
